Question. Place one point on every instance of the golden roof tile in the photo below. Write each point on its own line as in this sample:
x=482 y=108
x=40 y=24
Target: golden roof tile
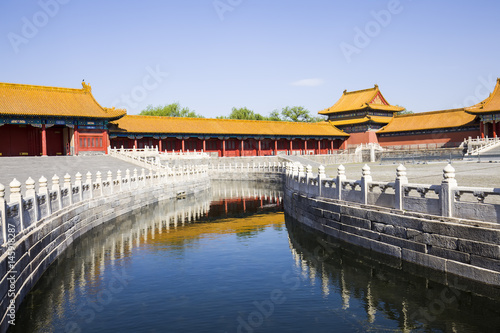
x=428 y=121
x=154 y=124
x=30 y=100
x=361 y=99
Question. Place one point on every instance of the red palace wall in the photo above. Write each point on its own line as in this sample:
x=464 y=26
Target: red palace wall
x=355 y=139
x=447 y=139
x=232 y=147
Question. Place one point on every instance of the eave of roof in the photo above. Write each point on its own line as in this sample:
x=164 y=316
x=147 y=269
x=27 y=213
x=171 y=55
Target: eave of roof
x=429 y=120
x=356 y=121
x=203 y=126
x=360 y=100
x=41 y=101
x=489 y=105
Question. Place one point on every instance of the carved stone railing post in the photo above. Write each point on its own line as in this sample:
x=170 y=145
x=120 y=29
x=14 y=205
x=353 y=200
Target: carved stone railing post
x=401 y=181
x=340 y=179
x=31 y=193
x=98 y=183
x=143 y=178
x=309 y=175
x=56 y=187
x=90 y=184
x=109 y=180
x=78 y=185
x=127 y=179
x=17 y=198
x=69 y=187
x=136 y=179
x=44 y=191
x=365 y=180
x=321 y=176
x=447 y=196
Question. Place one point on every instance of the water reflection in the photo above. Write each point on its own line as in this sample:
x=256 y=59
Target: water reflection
x=415 y=298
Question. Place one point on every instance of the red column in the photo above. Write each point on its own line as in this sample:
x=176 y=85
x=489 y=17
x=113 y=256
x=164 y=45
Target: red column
x=77 y=140
x=244 y=205
x=305 y=146
x=242 y=147
x=319 y=147
x=105 y=141
x=259 y=151
x=291 y=146
x=44 y=141
x=331 y=145
x=204 y=145
x=223 y=147
x=481 y=129
x=135 y=143
x=494 y=129
x=159 y=145
x=183 y=145
x=275 y=147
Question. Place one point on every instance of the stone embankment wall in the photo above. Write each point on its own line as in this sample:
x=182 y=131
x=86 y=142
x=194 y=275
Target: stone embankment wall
x=397 y=224
x=39 y=226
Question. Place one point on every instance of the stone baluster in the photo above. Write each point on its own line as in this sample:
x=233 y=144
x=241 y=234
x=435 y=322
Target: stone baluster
x=78 y=184
x=56 y=187
x=447 y=196
x=127 y=178
x=321 y=176
x=366 y=179
x=67 y=185
x=340 y=179
x=90 y=184
x=31 y=193
x=43 y=190
x=109 y=180
x=143 y=178
x=136 y=179
x=17 y=198
x=399 y=192
x=98 y=182
x=3 y=209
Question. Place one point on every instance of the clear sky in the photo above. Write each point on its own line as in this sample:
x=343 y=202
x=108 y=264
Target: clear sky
x=212 y=55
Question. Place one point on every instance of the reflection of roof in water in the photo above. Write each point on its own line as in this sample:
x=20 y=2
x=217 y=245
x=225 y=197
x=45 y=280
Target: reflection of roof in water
x=197 y=230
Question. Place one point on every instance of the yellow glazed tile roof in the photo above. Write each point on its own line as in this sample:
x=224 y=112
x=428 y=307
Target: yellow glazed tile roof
x=361 y=99
x=29 y=100
x=355 y=121
x=428 y=121
x=489 y=105
x=153 y=124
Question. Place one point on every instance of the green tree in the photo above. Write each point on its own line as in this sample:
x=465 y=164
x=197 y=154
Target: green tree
x=405 y=111
x=298 y=114
x=170 y=110
x=245 y=113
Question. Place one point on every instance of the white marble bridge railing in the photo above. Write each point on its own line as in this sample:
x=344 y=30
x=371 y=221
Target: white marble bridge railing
x=19 y=213
x=480 y=145
x=270 y=167
x=446 y=199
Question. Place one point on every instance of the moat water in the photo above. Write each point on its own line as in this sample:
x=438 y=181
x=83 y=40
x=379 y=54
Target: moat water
x=231 y=261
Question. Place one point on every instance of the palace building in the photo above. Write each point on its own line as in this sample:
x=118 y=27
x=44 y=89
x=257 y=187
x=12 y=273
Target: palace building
x=37 y=120
x=361 y=113
x=489 y=113
x=47 y=121
x=226 y=137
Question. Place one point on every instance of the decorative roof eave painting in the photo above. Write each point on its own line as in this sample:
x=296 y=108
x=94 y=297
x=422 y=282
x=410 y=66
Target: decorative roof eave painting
x=360 y=100
x=489 y=105
x=41 y=101
x=367 y=119
x=202 y=126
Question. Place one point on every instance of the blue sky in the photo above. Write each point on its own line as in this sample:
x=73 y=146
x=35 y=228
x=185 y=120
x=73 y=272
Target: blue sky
x=212 y=55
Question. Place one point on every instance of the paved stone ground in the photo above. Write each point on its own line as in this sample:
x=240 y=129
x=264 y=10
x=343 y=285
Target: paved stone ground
x=467 y=173
x=23 y=167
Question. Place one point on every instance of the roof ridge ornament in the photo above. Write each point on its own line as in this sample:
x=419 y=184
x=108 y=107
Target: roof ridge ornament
x=86 y=87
